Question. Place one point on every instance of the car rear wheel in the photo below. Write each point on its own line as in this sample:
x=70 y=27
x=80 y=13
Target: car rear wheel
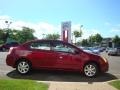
x=90 y=70
x=23 y=67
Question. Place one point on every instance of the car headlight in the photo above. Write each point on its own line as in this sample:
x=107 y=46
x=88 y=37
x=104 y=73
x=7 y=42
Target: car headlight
x=105 y=60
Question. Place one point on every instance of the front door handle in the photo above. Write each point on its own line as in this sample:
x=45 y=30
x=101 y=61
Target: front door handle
x=61 y=57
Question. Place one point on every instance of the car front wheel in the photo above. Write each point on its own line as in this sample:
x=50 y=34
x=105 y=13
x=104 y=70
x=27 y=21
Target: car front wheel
x=90 y=70
x=23 y=67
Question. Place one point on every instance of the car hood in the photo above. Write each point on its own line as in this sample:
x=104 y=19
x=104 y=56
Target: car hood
x=91 y=54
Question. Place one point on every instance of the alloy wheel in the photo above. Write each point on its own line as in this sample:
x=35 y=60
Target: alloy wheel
x=23 y=67
x=90 y=70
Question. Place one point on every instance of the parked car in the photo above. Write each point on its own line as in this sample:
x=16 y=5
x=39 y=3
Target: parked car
x=108 y=49
x=95 y=50
x=114 y=51
x=102 y=49
x=6 y=46
x=89 y=50
x=55 y=55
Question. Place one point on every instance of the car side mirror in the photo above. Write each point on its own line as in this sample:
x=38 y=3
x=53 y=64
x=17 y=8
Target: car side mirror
x=77 y=52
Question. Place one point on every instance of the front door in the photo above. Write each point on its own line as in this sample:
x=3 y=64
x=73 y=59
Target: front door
x=65 y=56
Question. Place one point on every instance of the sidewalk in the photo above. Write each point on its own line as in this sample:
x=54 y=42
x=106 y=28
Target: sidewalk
x=80 y=86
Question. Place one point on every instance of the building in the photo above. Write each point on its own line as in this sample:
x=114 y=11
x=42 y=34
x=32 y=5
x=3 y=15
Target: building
x=107 y=42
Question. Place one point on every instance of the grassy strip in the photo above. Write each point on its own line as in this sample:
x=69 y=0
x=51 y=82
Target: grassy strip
x=115 y=84
x=21 y=85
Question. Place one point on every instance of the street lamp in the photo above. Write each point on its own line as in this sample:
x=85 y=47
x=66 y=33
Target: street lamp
x=43 y=36
x=8 y=31
x=8 y=24
x=81 y=27
x=81 y=30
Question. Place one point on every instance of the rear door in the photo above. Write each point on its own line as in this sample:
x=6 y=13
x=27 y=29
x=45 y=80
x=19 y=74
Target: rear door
x=42 y=56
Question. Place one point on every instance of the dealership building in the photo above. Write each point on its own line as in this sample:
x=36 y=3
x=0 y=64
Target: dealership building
x=107 y=42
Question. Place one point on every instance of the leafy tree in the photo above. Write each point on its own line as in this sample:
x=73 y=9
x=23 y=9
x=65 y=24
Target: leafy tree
x=95 y=39
x=3 y=36
x=85 y=42
x=116 y=40
x=25 y=35
x=20 y=36
x=52 y=36
x=1 y=33
x=77 y=34
x=98 y=38
x=91 y=40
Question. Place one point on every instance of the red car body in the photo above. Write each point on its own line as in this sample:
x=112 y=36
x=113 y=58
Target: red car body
x=54 y=55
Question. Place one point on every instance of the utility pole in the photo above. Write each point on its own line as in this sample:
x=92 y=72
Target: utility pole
x=8 y=23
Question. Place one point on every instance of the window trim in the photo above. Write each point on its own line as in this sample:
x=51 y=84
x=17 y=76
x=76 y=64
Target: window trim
x=39 y=49
x=63 y=44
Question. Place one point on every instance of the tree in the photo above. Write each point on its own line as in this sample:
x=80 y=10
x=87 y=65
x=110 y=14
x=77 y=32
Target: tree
x=91 y=40
x=52 y=36
x=116 y=40
x=2 y=34
x=95 y=39
x=77 y=34
x=85 y=42
x=20 y=36
x=25 y=35
x=98 y=38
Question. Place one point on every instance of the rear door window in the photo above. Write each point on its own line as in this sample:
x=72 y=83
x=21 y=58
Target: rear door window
x=41 y=45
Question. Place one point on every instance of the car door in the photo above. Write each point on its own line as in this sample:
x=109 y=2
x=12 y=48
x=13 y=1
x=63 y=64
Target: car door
x=65 y=56
x=42 y=56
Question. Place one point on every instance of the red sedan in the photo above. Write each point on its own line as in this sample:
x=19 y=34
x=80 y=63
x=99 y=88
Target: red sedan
x=55 y=55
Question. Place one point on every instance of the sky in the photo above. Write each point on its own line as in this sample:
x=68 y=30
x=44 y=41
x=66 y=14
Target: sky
x=45 y=16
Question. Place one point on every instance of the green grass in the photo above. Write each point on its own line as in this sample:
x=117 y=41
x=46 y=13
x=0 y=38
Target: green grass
x=115 y=84
x=21 y=85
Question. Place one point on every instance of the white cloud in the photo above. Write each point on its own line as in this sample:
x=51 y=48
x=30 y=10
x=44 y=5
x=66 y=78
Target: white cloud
x=43 y=27
x=5 y=17
x=117 y=30
x=40 y=28
x=107 y=23
x=86 y=32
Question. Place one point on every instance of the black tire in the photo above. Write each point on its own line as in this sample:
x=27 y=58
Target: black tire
x=23 y=67
x=91 y=70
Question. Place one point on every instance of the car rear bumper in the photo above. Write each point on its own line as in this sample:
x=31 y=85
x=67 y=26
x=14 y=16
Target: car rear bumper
x=10 y=60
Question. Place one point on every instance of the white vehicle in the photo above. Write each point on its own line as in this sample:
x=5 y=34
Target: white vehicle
x=114 y=51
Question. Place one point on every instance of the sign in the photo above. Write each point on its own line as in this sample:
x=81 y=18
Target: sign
x=66 y=31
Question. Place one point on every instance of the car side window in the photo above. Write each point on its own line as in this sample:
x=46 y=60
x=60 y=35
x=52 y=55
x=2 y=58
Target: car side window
x=61 y=47
x=40 y=45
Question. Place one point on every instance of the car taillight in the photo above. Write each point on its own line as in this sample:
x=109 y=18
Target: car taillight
x=10 y=50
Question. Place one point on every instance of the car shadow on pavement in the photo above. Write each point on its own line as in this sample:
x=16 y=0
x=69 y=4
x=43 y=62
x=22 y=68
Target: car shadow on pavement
x=61 y=76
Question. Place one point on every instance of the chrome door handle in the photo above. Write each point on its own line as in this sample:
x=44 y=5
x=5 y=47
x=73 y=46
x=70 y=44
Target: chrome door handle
x=61 y=57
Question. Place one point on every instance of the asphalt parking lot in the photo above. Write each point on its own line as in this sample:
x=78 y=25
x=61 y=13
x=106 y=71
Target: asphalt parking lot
x=41 y=75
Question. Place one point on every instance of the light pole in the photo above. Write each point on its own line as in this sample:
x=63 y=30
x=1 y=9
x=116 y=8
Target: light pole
x=8 y=24
x=8 y=31
x=81 y=27
x=72 y=37
x=81 y=30
x=43 y=36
